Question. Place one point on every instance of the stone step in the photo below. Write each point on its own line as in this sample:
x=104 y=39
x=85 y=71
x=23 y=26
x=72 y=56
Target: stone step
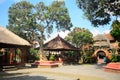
x=9 y=68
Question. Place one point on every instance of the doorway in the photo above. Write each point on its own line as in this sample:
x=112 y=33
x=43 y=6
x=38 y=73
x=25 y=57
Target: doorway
x=101 y=57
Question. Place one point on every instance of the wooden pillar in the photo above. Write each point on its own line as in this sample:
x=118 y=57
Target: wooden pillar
x=22 y=55
x=24 y=52
x=11 y=55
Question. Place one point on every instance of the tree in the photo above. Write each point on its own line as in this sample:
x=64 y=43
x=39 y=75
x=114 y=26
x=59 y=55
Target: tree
x=99 y=12
x=51 y=17
x=79 y=37
x=21 y=19
x=115 y=32
x=39 y=20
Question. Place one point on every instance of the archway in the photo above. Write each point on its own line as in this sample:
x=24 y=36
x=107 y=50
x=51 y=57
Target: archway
x=102 y=55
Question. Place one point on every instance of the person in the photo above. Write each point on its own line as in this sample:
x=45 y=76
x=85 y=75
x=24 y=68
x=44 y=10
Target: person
x=104 y=59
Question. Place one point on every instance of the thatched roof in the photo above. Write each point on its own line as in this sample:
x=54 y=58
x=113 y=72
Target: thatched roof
x=100 y=40
x=58 y=44
x=100 y=37
x=9 y=39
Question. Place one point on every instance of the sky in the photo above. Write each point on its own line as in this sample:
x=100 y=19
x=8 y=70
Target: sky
x=76 y=15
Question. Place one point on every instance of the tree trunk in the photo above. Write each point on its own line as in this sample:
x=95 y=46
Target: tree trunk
x=83 y=54
x=83 y=49
x=42 y=55
x=41 y=52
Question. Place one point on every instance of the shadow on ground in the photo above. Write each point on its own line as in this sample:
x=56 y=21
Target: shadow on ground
x=20 y=76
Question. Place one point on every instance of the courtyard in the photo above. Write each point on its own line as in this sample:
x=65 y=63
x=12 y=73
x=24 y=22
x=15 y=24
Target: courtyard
x=64 y=72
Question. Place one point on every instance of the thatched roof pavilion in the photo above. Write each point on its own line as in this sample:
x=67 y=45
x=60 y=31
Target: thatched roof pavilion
x=9 y=40
x=59 y=44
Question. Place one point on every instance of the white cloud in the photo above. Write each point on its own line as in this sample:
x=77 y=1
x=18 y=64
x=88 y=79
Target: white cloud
x=61 y=34
x=106 y=31
x=118 y=19
x=95 y=31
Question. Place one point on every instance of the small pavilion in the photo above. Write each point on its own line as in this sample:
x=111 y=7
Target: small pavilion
x=60 y=46
x=13 y=49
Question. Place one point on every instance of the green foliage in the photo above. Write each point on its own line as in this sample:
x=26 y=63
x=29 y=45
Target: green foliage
x=115 y=25
x=34 y=54
x=37 y=57
x=52 y=57
x=34 y=22
x=20 y=18
x=33 y=51
x=55 y=15
x=99 y=12
x=18 y=51
x=113 y=50
x=79 y=37
x=114 y=58
x=61 y=16
x=88 y=58
x=115 y=32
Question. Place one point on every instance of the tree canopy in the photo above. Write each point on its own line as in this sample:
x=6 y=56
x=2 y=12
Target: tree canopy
x=34 y=22
x=115 y=31
x=20 y=18
x=100 y=12
x=79 y=37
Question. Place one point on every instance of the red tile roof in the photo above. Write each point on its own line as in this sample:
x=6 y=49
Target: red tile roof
x=109 y=36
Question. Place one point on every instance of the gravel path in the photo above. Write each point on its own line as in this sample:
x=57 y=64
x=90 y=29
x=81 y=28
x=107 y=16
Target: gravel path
x=69 y=72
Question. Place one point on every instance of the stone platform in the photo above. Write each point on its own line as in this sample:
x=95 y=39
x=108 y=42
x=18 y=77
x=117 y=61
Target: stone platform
x=112 y=67
x=45 y=64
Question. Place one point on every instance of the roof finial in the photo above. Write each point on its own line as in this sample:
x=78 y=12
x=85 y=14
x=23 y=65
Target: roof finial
x=58 y=35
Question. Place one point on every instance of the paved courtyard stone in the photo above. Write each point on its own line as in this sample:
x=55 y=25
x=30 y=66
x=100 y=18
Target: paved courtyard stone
x=67 y=72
